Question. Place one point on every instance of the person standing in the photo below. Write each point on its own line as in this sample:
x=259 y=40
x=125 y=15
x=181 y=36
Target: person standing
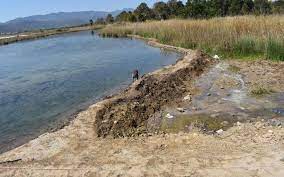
x=135 y=75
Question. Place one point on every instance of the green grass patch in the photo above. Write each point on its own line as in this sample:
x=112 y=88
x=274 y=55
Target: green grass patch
x=234 y=69
x=260 y=91
x=202 y=122
x=275 y=50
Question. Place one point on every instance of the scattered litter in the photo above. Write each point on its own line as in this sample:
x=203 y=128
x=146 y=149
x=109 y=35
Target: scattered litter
x=181 y=109
x=169 y=116
x=220 y=131
x=270 y=131
x=216 y=57
x=187 y=98
x=239 y=123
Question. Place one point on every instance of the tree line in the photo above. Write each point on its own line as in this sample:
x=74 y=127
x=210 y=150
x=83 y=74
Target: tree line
x=198 y=9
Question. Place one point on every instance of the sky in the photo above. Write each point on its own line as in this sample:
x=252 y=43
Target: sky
x=11 y=9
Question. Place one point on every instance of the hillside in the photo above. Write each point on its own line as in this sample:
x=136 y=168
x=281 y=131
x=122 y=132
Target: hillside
x=53 y=20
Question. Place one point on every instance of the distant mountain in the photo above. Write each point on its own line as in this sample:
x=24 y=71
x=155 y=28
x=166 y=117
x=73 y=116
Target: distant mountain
x=54 y=20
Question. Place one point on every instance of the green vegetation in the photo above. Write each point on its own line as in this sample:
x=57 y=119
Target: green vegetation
x=234 y=69
x=197 y=9
x=229 y=37
x=200 y=9
x=260 y=91
x=223 y=27
x=203 y=122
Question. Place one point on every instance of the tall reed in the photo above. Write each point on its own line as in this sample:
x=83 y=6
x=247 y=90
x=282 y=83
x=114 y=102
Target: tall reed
x=236 y=37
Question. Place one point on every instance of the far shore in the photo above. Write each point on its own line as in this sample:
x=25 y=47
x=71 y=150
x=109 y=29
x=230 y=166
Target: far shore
x=8 y=39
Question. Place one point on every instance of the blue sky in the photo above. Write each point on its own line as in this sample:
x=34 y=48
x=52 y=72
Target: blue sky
x=10 y=9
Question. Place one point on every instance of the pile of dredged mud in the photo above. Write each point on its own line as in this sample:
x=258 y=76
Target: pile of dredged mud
x=127 y=113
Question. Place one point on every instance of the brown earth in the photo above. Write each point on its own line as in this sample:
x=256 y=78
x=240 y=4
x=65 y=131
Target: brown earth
x=216 y=91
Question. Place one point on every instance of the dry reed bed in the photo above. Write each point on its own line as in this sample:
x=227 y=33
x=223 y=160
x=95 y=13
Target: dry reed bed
x=253 y=36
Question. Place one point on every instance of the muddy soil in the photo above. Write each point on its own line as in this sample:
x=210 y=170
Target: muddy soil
x=231 y=92
x=127 y=114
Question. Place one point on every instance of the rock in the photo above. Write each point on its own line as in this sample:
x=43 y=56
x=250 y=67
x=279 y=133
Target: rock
x=220 y=131
x=216 y=57
x=275 y=122
x=258 y=125
x=169 y=116
x=187 y=98
x=282 y=160
x=239 y=123
x=214 y=115
x=270 y=131
x=208 y=94
x=181 y=109
x=104 y=121
x=225 y=123
x=222 y=87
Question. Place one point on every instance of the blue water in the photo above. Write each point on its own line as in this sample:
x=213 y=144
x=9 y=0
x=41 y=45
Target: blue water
x=42 y=82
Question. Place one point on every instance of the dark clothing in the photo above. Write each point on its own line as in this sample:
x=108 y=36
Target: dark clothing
x=135 y=75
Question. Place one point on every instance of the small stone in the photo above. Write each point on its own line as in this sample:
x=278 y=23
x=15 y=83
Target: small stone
x=220 y=131
x=187 y=98
x=225 y=123
x=270 y=131
x=275 y=122
x=169 y=116
x=239 y=123
x=104 y=121
x=208 y=94
x=181 y=109
x=216 y=57
x=222 y=87
x=214 y=115
x=115 y=122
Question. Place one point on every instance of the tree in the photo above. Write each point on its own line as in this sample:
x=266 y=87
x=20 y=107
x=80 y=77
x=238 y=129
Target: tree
x=143 y=12
x=176 y=8
x=91 y=22
x=247 y=8
x=262 y=7
x=100 y=21
x=109 y=18
x=126 y=17
x=161 y=10
x=215 y=8
x=235 y=7
x=278 y=7
x=197 y=8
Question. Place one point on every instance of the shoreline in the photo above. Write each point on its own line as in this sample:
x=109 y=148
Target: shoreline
x=67 y=117
x=25 y=36
x=78 y=149
x=108 y=98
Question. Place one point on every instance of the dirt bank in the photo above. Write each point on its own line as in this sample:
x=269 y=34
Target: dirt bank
x=127 y=114
x=194 y=86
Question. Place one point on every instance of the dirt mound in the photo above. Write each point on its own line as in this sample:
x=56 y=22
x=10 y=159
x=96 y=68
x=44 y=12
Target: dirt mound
x=127 y=113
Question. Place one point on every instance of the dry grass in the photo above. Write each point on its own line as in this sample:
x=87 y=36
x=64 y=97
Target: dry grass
x=261 y=36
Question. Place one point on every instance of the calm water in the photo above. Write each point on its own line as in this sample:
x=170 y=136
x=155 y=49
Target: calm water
x=42 y=82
